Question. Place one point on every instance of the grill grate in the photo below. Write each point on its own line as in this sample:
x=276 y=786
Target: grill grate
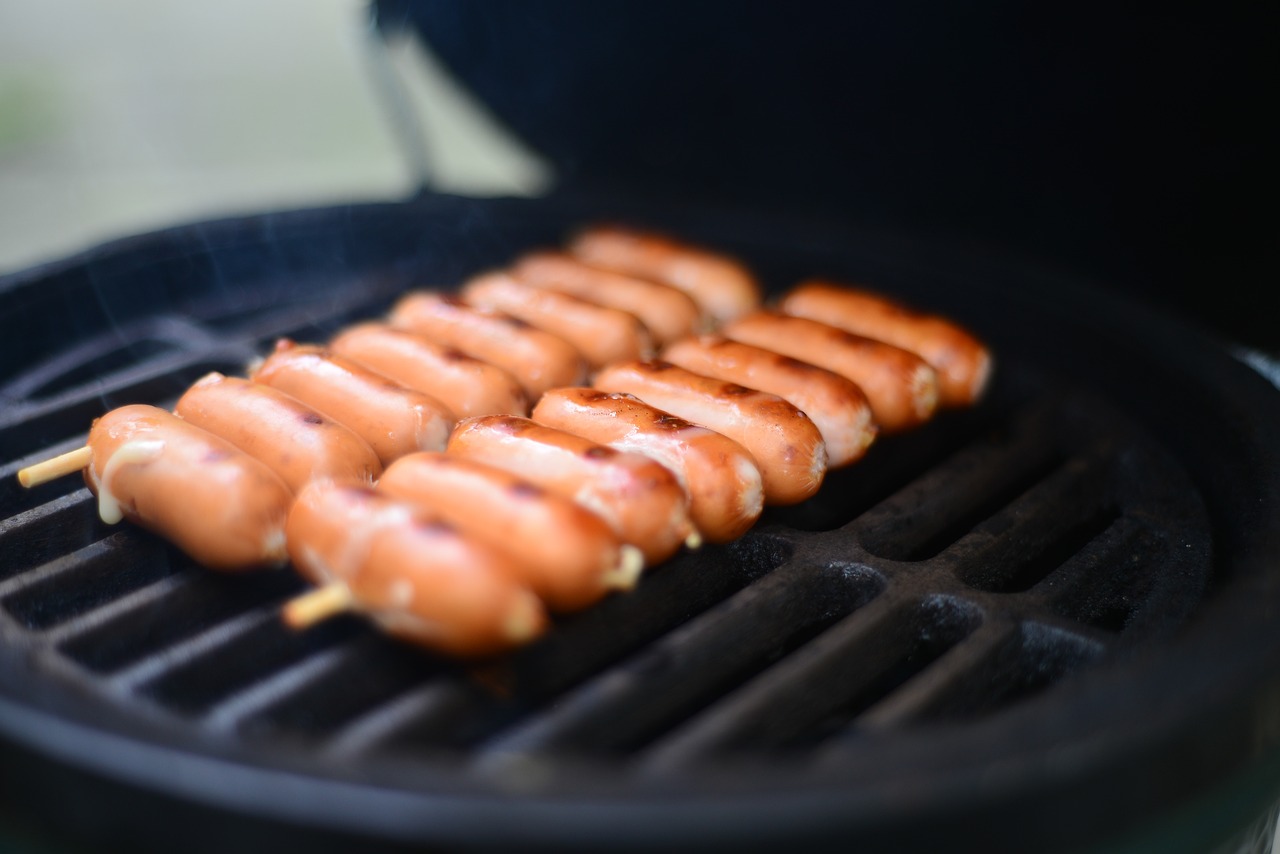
x=958 y=570
x=1021 y=613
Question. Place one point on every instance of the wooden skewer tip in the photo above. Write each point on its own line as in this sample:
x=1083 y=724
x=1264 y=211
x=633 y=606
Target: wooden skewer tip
x=51 y=469
x=626 y=574
x=317 y=605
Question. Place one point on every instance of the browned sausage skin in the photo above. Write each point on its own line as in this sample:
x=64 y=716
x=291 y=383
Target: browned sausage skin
x=962 y=362
x=601 y=334
x=417 y=577
x=786 y=445
x=216 y=503
x=725 y=491
x=837 y=406
x=637 y=496
x=537 y=359
x=568 y=555
x=722 y=287
x=900 y=386
x=394 y=420
x=667 y=313
x=294 y=440
x=466 y=385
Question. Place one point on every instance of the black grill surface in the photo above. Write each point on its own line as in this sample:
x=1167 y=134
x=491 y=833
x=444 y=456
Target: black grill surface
x=1008 y=624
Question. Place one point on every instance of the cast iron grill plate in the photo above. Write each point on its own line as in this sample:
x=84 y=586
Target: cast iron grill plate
x=971 y=568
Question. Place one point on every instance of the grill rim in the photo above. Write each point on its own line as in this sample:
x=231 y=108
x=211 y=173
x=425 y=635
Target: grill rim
x=1240 y=690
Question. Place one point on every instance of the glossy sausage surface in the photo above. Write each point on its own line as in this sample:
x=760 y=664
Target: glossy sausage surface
x=565 y=553
x=785 y=443
x=417 y=577
x=538 y=359
x=219 y=505
x=467 y=386
x=901 y=387
x=837 y=406
x=963 y=363
x=726 y=494
x=721 y=286
x=667 y=313
x=393 y=419
x=294 y=440
x=637 y=496
x=601 y=334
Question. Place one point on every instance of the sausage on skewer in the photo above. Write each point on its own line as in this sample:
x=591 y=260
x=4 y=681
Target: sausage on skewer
x=726 y=494
x=721 y=286
x=394 y=420
x=901 y=387
x=962 y=362
x=295 y=441
x=786 y=445
x=568 y=555
x=639 y=497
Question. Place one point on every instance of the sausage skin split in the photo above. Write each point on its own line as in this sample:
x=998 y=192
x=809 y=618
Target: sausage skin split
x=726 y=495
x=667 y=313
x=568 y=555
x=601 y=334
x=213 y=501
x=900 y=386
x=836 y=405
x=962 y=362
x=394 y=420
x=786 y=445
x=637 y=496
x=722 y=287
x=467 y=386
x=537 y=359
x=417 y=577
x=294 y=440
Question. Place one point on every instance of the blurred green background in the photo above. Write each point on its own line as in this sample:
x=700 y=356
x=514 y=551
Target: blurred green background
x=117 y=118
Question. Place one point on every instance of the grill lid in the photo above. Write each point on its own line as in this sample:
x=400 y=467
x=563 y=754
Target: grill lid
x=1054 y=603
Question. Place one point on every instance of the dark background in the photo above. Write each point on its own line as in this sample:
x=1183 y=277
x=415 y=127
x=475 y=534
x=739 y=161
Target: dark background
x=1125 y=146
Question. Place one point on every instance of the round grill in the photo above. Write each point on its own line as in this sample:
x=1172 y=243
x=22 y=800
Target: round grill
x=1016 y=614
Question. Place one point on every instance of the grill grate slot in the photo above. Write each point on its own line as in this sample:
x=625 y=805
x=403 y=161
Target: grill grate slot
x=349 y=674
x=937 y=509
x=839 y=674
x=91 y=577
x=261 y=649
x=150 y=628
x=630 y=704
x=1016 y=548
x=38 y=536
x=70 y=414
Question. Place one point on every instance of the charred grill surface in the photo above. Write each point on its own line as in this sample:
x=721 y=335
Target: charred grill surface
x=958 y=573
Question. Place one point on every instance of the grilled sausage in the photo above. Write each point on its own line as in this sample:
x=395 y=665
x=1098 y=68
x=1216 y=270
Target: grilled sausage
x=601 y=334
x=723 y=482
x=417 y=577
x=467 y=386
x=962 y=362
x=219 y=505
x=537 y=359
x=637 y=496
x=900 y=386
x=785 y=444
x=667 y=313
x=722 y=287
x=568 y=555
x=394 y=420
x=836 y=405
x=294 y=440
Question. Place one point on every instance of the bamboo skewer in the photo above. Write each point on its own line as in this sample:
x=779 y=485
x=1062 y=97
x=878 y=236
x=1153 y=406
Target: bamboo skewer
x=318 y=605
x=51 y=469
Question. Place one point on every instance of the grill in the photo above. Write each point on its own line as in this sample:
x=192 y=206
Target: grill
x=1039 y=623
